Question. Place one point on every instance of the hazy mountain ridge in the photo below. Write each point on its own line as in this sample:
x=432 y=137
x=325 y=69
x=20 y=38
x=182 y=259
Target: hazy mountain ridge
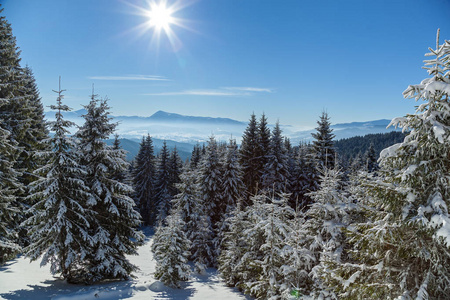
x=184 y=132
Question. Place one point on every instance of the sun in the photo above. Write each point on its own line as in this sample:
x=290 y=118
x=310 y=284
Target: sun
x=160 y=16
x=160 y=19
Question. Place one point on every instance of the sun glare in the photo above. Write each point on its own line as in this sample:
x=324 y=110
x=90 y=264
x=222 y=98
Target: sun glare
x=159 y=19
x=160 y=16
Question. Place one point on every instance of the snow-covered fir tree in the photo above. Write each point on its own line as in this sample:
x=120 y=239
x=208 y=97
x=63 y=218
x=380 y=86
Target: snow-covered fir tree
x=233 y=247
x=114 y=221
x=263 y=147
x=304 y=178
x=265 y=225
x=249 y=158
x=162 y=190
x=196 y=156
x=323 y=230
x=233 y=189
x=120 y=176
x=197 y=225
x=171 y=252
x=371 y=159
x=323 y=144
x=403 y=250
x=175 y=170
x=8 y=211
x=210 y=182
x=16 y=114
x=297 y=259
x=36 y=133
x=58 y=226
x=276 y=171
x=144 y=175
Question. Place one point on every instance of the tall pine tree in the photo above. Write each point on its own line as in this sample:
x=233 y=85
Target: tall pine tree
x=59 y=222
x=403 y=249
x=144 y=175
x=114 y=222
x=323 y=144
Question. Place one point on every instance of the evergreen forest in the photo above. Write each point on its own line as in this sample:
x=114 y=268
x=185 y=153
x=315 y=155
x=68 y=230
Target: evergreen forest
x=362 y=218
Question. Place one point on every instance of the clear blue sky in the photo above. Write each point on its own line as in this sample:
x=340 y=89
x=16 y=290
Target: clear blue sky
x=289 y=59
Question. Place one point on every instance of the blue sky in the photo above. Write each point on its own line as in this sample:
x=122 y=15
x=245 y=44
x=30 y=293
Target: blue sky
x=289 y=59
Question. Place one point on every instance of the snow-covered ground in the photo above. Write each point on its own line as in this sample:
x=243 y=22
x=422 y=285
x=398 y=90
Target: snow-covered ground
x=20 y=279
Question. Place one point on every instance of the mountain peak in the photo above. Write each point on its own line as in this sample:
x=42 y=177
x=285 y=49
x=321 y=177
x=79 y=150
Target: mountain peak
x=163 y=114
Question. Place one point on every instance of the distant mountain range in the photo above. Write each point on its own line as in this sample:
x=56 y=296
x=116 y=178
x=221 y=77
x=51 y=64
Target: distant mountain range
x=185 y=131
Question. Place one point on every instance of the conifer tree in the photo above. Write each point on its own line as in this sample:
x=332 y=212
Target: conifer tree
x=120 y=176
x=371 y=159
x=210 y=182
x=114 y=221
x=171 y=252
x=162 y=184
x=16 y=110
x=144 y=175
x=263 y=146
x=232 y=185
x=197 y=225
x=323 y=144
x=326 y=220
x=233 y=190
x=233 y=247
x=16 y=113
x=59 y=222
x=249 y=158
x=273 y=226
x=36 y=133
x=196 y=156
x=256 y=257
x=297 y=259
x=402 y=250
x=276 y=171
x=175 y=170
x=8 y=211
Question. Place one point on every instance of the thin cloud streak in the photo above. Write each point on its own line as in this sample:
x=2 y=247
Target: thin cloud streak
x=249 y=89
x=221 y=92
x=201 y=93
x=131 y=77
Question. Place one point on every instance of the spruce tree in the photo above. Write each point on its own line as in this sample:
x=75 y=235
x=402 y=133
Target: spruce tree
x=8 y=211
x=197 y=225
x=263 y=146
x=276 y=171
x=303 y=178
x=36 y=133
x=210 y=182
x=16 y=109
x=162 y=184
x=144 y=175
x=233 y=247
x=323 y=144
x=120 y=176
x=114 y=221
x=232 y=185
x=175 y=170
x=59 y=221
x=249 y=158
x=402 y=250
x=171 y=252
x=195 y=156
x=323 y=230
x=371 y=159
x=233 y=190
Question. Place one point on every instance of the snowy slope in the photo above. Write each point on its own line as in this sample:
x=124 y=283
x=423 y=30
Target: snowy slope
x=20 y=279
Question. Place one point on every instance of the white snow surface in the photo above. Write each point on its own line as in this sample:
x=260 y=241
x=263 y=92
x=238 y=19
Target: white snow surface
x=20 y=279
